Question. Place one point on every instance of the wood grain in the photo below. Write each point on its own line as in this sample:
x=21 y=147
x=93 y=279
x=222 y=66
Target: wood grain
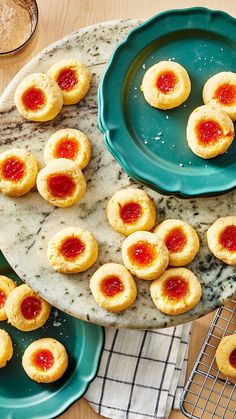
x=60 y=17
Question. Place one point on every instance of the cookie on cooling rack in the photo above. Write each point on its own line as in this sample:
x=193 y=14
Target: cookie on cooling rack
x=226 y=356
x=221 y=90
x=6 y=348
x=221 y=239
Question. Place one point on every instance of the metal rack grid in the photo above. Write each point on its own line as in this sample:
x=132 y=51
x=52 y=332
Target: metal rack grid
x=209 y=394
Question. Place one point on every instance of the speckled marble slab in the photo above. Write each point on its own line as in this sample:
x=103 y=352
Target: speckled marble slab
x=27 y=223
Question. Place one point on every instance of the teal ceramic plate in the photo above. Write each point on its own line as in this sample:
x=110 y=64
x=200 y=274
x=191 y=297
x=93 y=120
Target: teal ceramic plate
x=22 y=398
x=151 y=144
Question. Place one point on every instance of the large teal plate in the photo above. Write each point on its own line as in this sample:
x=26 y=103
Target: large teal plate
x=22 y=398
x=151 y=144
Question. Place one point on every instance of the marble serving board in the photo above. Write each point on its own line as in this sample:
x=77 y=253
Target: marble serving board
x=27 y=223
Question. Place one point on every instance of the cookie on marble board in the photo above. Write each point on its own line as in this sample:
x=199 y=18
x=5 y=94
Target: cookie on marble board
x=226 y=356
x=72 y=250
x=7 y=285
x=221 y=90
x=180 y=239
x=38 y=97
x=73 y=78
x=18 y=172
x=25 y=309
x=130 y=210
x=6 y=348
x=166 y=85
x=45 y=360
x=61 y=183
x=221 y=239
x=70 y=144
x=145 y=255
x=210 y=131
x=113 y=287
x=176 y=291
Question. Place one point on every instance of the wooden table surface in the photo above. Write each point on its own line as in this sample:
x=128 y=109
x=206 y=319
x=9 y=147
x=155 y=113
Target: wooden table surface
x=60 y=17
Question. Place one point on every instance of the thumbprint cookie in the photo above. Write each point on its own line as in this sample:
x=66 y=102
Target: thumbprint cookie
x=68 y=144
x=226 y=356
x=25 y=309
x=180 y=239
x=221 y=90
x=45 y=360
x=176 y=291
x=18 y=172
x=72 y=250
x=166 y=85
x=6 y=348
x=221 y=239
x=210 y=131
x=130 y=210
x=38 y=97
x=6 y=286
x=113 y=287
x=145 y=255
x=61 y=183
x=73 y=78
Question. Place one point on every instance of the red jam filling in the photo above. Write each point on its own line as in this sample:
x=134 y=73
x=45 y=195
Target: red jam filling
x=66 y=149
x=61 y=185
x=175 y=287
x=72 y=247
x=131 y=212
x=175 y=240
x=166 y=82
x=226 y=94
x=13 y=169
x=30 y=307
x=228 y=238
x=44 y=359
x=232 y=358
x=33 y=99
x=3 y=298
x=67 y=79
x=142 y=253
x=112 y=285
x=209 y=132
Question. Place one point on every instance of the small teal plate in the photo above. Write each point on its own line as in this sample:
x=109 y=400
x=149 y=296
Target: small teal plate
x=22 y=398
x=150 y=144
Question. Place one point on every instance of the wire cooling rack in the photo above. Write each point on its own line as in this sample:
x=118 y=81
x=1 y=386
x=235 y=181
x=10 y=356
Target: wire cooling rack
x=208 y=394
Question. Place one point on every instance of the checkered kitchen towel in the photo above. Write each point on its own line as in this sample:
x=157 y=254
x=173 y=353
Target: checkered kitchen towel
x=141 y=374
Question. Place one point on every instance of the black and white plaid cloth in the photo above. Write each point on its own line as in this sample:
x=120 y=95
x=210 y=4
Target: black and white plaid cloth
x=141 y=374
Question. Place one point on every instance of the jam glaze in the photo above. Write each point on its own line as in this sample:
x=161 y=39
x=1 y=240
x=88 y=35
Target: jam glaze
x=166 y=82
x=112 y=285
x=175 y=287
x=30 y=307
x=43 y=359
x=61 y=185
x=72 y=247
x=13 y=169
x=208 y=132
x=232 y=358
x=3 y=298
x=226 y=94
x=67 y=79
x=142 y=253
x=66 y=148
x=131 y=212
x=33 y=99
x=228 y=238
x=175 y=240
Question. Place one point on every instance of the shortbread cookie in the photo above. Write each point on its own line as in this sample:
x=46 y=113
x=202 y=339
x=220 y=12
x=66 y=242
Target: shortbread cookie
x=130 y=210
x=176 y=291
x=45 y=360
x=221 y=239
x=113 y=287
x=226 y=356
x=166 y=85
x=6 y=348
x=38 y=97
x=73 y=78
x=70 y=144
x=221 y=90
x=25 y=309
x=180 y=239
x=210 y=131
x=18 y=172
x=7 y=285
x=61 y=183
x=145 y=255
x=72 y=250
